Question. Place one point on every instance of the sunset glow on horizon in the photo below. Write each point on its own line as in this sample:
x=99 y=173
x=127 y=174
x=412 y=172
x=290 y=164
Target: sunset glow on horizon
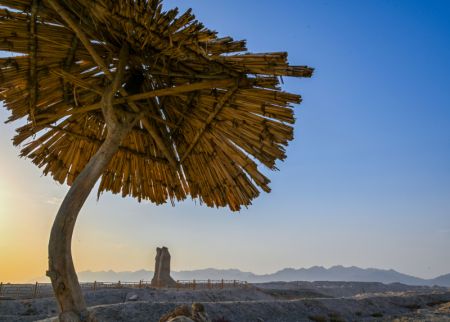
x=367 y=178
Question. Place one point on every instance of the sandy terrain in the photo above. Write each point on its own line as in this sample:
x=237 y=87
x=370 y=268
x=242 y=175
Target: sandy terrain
x=271 y=302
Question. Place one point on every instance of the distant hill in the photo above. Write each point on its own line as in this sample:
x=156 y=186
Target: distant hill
x=443 y=280
x=346 y=274
x=111 y=276
x=316 y=273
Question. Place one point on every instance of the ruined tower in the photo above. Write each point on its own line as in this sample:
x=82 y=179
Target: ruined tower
x=162 y=269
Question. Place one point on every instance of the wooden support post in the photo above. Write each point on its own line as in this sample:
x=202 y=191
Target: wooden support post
x=35 y=290
x=140 y=284
x=193 y=284
x=221 y=285
x=234 y=283
x=33 y=77
x=209 y=283
x=66 y=16
x=223 y=101
x=95 y=285
x=1 y=288
x=80 y=34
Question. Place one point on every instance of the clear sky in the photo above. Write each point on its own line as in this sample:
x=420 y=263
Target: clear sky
x=366 y=182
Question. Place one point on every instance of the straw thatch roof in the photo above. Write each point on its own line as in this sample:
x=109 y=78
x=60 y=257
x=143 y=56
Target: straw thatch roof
x=210 y=111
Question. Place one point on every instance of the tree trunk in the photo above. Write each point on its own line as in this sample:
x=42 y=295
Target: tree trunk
x=61 y=269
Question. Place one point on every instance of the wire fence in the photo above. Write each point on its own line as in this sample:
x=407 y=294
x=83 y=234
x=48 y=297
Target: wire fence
x=10 y=291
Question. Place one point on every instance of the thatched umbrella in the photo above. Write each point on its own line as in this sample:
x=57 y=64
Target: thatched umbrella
x=150 y=102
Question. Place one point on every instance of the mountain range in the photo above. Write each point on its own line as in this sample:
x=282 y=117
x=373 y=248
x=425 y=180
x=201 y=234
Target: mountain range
x=316 y=273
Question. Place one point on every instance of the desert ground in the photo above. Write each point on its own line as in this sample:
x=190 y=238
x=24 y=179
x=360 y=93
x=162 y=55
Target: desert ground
x=268 y=302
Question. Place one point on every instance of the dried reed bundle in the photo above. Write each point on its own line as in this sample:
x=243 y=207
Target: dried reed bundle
x=208 y=110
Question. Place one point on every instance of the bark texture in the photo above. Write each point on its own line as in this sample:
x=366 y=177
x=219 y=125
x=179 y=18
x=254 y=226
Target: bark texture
x=61 y=268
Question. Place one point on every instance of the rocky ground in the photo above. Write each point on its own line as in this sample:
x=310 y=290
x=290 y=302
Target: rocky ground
x=283 y=302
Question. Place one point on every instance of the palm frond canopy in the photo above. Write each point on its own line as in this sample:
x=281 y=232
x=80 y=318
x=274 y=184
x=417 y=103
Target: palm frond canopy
x=209 y=111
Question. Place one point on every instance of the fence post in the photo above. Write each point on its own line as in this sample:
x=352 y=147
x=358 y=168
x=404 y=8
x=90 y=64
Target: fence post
x=209 y=283
x=140 y=284
x=234 y=283
x=193 y=284
x=119 y=285
x=35 y=290
x=1 y=288
x=221 y=284
x=95 y=285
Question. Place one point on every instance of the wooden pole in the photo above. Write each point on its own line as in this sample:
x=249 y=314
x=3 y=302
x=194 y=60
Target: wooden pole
x=35 y=290
x=86 y=42
x=220 y=104
x=80 y=34
x=33 y=76
x=66 y=16
x=176 y=90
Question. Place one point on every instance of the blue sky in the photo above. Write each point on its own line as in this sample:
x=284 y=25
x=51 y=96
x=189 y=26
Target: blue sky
x=367 y=179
